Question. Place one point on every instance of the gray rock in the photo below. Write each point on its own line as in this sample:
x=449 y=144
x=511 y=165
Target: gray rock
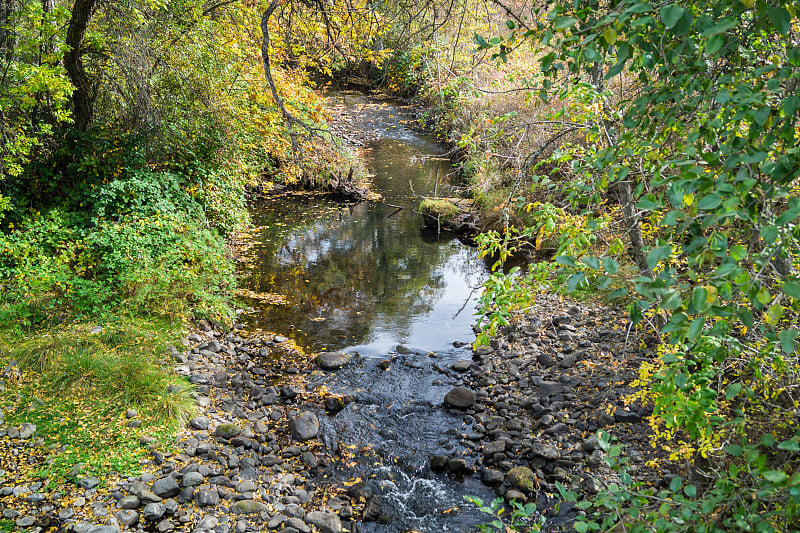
x=492 y=477
x=103 y=529
x=522 y=478
x=199 y=422
x=25 y=521
x=66 y=514
x=131 y=413
x=305 y=426
x=324 y=521
x=248 y=507
x=82 y=527
x=88 y=482
x=549 y=388
x=491 y=448
x=461 y=366
x=279 y=339
x=295 y=524
x=546 y=450
x=591 y=444
x=592 y=485
x=207 y=497
x=604 y=419
x=513 y=494
x=154 y=511
x=460 y=398
x=166 y=487
x=332 y=360
x=165 y=525
x=240 y=527
x=192 y=479
x=127 y=517
x=27 y=431
x=227 y=431
x=208 y=522
x=246 y=486
x=627 y=417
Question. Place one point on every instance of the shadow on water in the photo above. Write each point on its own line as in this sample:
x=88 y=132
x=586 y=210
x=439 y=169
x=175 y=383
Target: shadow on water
x=365 y=278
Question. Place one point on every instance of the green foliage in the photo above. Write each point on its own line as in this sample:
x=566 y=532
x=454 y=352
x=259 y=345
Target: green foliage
x=752 y=482
x=521 y=516
x=706 y=150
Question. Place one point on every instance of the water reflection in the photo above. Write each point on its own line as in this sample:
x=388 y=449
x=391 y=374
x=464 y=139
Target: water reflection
x=362 y=276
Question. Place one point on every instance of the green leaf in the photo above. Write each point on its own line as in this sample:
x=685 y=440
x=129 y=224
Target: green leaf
x=574 y=280
x=734 y=450
x=591 y=262
x=690 y=491
x=564 y=22
x=671 y=14
x=675 y=484
x=709 y=201
x=789 y=445
x=565 y=260
x=732 y=390
x=603 y=282
x=699 y=298
x=787 y=338
x=762 y=114
x=510 y=24
x=695 y=328
x=658 y=254
x=776 y=476
x=581 y=527
x=780 y=18
x=618 y=293
x=611 y=266
x=792 y=289
x=714 y=44
x=769 y=234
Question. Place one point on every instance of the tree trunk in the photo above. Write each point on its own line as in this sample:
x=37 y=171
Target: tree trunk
x=8 y=39
x=82 y=104
x=624 y=188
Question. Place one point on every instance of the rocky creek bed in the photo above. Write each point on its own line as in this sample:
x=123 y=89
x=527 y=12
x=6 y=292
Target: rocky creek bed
x=259 y=457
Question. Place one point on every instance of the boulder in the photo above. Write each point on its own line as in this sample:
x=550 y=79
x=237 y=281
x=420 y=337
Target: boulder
x=522 y=478
x=332 y=360
x=304 y=426
x=460 y=398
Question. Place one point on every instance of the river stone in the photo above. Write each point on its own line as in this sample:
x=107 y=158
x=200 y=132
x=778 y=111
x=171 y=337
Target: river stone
x=513 y=494
x=128 y=502
x=304 y=426
x=27 y=431
x=207 y=498
x=332 y=360
x=248 y=507
x=127 y=517
x=549 y=388
x=199 y=422
x=103 y=529
x=25 y=521
x=627 y=417
x=154 y=511
x=166 y=487
x=460 y=398
x=324 y=521
x=547 y=451
x=227 y=431
x=522 y=478
x=492 y=477
x=88 y=483
x=192 y=479
x=461 y=366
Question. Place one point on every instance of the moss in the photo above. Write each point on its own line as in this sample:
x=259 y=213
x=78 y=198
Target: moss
x=438 y=208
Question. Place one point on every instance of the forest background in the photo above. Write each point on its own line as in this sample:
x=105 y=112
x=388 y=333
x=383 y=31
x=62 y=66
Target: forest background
x=645 y=151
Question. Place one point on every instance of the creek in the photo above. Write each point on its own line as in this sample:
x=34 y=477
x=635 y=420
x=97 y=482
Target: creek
x=366 y=279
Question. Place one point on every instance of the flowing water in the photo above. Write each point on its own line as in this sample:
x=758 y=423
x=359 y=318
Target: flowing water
x=366 y=278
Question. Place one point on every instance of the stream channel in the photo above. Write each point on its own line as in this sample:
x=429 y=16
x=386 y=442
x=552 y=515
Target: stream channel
x=366 y=279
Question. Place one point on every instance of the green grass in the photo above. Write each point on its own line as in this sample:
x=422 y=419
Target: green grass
x=76 y=387
x=439 y=208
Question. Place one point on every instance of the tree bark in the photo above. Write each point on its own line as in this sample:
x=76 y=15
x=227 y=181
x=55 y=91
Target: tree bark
x=8 y=39
x=82 y=101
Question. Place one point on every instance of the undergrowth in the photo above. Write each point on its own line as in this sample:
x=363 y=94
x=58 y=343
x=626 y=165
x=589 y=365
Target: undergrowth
x=76 y=387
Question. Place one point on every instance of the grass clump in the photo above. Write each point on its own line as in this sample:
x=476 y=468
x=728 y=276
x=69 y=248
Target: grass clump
x=439 y=208
x=76 y=387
